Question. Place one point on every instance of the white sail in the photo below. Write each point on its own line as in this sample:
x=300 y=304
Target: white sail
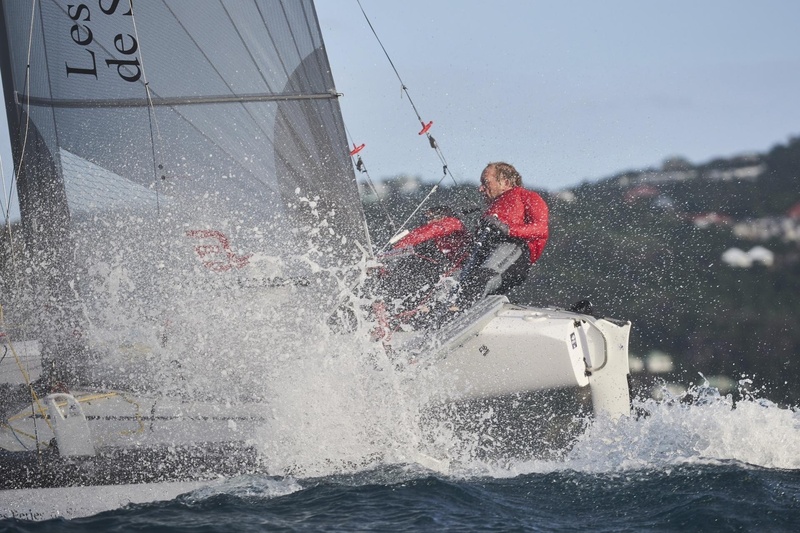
x=172 y=145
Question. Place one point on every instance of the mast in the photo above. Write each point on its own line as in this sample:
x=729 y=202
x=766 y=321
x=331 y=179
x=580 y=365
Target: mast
x=5 y=72
x=45 y=226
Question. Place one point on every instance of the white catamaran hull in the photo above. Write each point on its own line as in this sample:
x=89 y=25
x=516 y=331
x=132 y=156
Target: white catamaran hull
x=72 y=455
x=94 y=420
x=498 y=348
x=77 y=502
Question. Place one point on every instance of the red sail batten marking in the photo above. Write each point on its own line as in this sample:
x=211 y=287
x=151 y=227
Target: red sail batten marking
x=232 y=260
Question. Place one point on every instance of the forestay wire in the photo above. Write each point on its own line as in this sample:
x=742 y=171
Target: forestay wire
x=424 y=131
x=362 y=168
x=155 y=136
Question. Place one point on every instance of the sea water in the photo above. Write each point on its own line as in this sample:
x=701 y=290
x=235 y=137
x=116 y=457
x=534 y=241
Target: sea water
x=696 y=462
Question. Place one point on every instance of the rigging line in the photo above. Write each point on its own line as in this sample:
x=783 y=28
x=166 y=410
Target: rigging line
x=25 y=375
x=14 y=432
x=425 y=127
x=290 y=78
x=248 y=112
x=413 y=213
x=151 y=115
x=27 y=115
x=244 y=44
x=419 y=206
x=403 y=85
x=6 y=212
x=361 y=167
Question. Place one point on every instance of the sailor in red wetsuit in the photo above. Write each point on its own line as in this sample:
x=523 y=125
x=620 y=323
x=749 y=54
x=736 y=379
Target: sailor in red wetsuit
x=418 y=260
x=511 y=237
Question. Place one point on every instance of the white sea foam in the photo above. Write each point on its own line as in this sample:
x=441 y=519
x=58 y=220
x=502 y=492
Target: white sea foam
x=343 y=406
x=708 y=429
x=343 y=415
x=247 y=487
x=339 y=404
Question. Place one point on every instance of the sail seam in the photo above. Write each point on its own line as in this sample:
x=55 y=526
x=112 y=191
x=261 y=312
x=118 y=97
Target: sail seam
x=195 y=100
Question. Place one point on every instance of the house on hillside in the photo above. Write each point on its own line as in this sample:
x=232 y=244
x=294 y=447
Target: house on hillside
x=650 y=177
x=759 y=254
x=708 y=220
x=658 y=362
x=640 y=192
x=565 y=196
x=663 y=201
x=737 y=258
x=764 y=229
x=748 y=173
x=661 y=176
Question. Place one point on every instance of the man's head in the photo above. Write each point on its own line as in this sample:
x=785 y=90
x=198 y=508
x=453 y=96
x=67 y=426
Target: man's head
x=498 y=178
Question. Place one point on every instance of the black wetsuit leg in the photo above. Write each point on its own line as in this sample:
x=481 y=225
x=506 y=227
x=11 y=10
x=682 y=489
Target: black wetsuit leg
x=502 y=268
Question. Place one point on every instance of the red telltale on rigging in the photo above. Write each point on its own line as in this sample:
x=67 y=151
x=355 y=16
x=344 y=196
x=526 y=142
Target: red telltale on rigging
x=356 y=149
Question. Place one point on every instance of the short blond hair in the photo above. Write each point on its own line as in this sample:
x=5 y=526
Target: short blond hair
x=507 y=172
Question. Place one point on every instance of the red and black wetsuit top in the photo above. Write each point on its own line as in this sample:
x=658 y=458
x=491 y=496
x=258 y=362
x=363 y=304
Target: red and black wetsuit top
x=526 y=215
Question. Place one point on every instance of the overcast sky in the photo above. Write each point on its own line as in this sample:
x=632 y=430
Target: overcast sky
x=564 y=90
